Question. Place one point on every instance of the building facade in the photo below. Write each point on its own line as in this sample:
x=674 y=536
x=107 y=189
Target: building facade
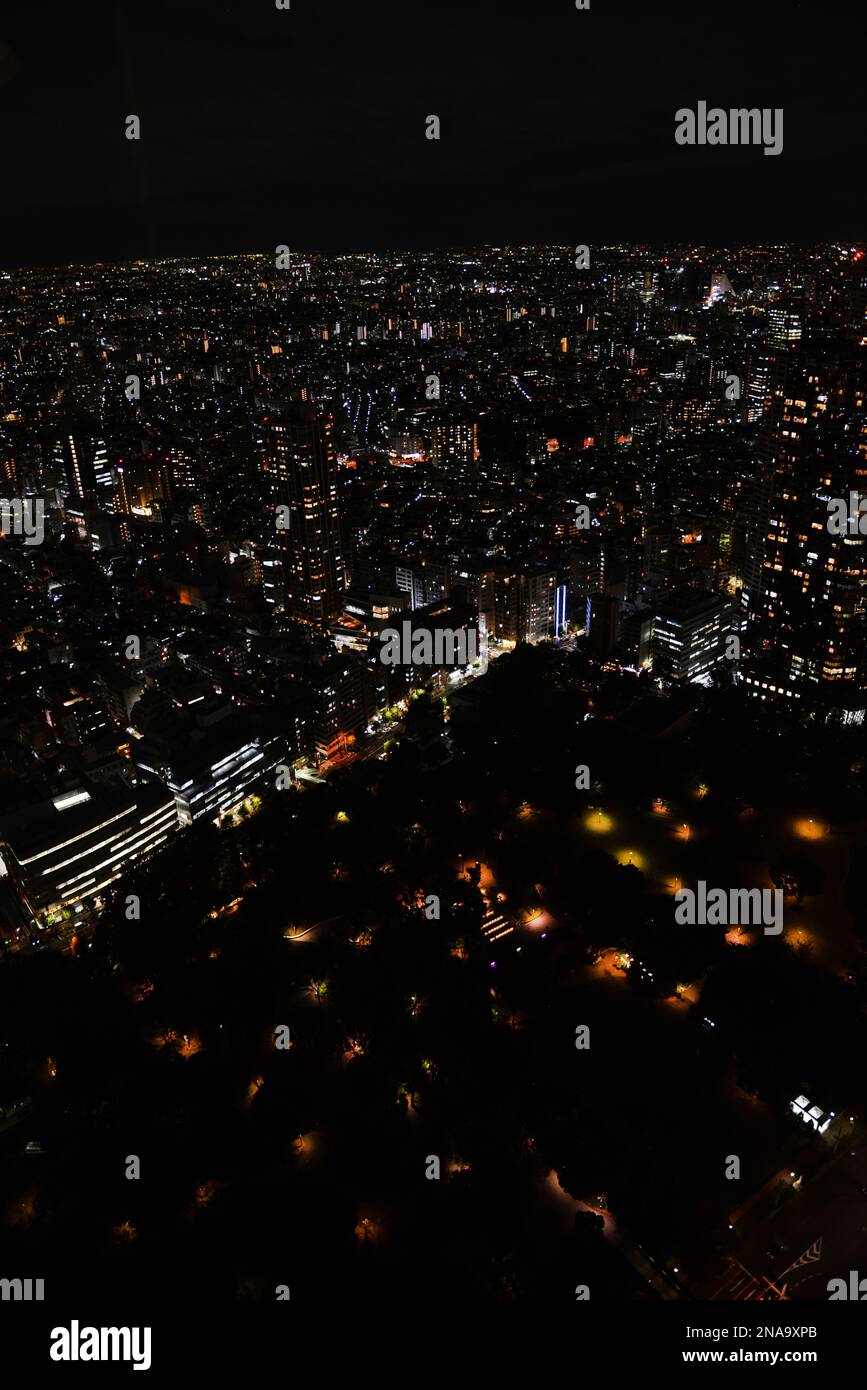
x=306 y=575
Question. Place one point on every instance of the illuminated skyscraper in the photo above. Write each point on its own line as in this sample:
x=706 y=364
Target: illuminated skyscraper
x=139 y=480
x=454 y=444
x=769 y=357
x=300 y=465
x=81 y=461
x=784 y=327
x=520 y=605
x=690 y=632
x=807 y=616
x=720 y=288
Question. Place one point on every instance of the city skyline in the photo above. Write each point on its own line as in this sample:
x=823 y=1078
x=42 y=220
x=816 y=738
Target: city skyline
x=433 y=672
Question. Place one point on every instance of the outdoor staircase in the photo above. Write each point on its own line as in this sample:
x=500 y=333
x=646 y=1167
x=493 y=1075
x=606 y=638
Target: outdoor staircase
x=495 y=925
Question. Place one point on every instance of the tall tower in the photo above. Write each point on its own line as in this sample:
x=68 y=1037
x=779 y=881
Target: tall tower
x=454 y=444
x=80 y=459
x=300 y=466
x=520 y=604
x=720 y=288
x=807 y=619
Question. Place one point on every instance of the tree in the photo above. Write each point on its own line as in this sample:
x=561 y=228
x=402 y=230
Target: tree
x=798 y=875
x=425 y=718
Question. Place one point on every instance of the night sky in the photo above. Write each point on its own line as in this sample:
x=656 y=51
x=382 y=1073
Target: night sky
x=307 y=127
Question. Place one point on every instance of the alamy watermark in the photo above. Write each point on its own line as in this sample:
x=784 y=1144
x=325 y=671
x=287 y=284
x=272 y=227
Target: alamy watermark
x=855 y=1289
x=23 y=516
x=740 y=126
x=848 y=518
x=422 y=646
x=22 y=1290
x=77 y=1343
x=721 y=907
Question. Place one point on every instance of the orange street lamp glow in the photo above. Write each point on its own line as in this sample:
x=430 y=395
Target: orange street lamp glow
x=629 y=857
x=809 y=829
x=735 y=937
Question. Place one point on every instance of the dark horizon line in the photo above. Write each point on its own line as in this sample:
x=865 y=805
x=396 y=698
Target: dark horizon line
x=325 y=252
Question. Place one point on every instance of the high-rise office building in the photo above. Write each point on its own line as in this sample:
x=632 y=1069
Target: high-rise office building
x=81 y=460
x=520 y=605
x=344 y=703
x=773 y=359
x=690 y=632
x=426 y=581
x=720 y=288
x=807 y=618
x=140 y=480
x=784 y=326
x=300 y=465
x=602 y=624
x=587 y=566
x=768 y=358
x=66 y=848
x=454 y=444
